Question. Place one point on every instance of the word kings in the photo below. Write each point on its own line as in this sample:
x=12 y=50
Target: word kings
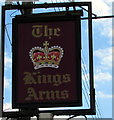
x=36 y=78
x=45 y=31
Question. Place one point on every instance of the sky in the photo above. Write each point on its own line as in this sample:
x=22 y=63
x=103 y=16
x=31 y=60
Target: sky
x=102 y=45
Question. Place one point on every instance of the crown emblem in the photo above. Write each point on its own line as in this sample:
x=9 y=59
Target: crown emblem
x=46 y=57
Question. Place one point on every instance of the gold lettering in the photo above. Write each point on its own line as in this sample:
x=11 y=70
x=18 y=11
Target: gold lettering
x=31 y=94
x=29 y=79
x=64 y=94
x=66 y=78
x=41 y=95
x=37 y=31
x=45 y=31
x=56 y=80
x=57 y=32
x=46 y=95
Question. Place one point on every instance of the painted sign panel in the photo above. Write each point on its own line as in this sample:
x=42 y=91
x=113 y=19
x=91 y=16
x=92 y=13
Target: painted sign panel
x=46 y=62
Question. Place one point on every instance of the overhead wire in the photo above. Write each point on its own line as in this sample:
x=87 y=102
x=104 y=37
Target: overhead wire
x=86 y=100
x=8 y=35
x=6 y=27
x=13 y=13
x=87 y=79
x=85 y=90
x=85 y=72
x=99 y=112
x=86 y=85
x=97 y=106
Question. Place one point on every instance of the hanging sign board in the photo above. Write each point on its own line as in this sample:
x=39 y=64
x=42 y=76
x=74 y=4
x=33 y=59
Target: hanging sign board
x=46 y=62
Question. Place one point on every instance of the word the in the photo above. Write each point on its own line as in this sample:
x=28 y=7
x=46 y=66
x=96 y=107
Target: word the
x=45 y=31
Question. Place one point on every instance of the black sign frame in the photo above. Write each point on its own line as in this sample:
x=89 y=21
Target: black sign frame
x=88 y=111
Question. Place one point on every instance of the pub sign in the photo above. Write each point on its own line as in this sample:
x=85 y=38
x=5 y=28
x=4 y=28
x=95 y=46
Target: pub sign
x=46 y=62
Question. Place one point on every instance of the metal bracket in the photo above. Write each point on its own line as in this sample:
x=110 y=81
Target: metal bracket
x=90 y=111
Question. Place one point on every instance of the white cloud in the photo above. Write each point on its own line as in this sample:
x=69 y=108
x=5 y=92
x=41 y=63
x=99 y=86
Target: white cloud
x=100 y=94
x=102 y=77
x=105 y=57
x=101 y=7
x=103 y=52
x=7 y=61
x=2 y=0
x=102 y=73
x=107 y=28
x=104 y=26
x=6 y=83
x=99 y=77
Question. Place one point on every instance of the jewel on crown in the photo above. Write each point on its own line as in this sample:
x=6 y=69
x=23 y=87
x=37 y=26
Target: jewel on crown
x=46 y=57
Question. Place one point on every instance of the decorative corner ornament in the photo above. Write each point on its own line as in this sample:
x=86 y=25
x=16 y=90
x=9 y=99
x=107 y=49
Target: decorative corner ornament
x=46 y=57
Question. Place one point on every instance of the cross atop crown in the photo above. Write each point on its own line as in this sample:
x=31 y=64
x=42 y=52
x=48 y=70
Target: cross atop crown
x=46 y=44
